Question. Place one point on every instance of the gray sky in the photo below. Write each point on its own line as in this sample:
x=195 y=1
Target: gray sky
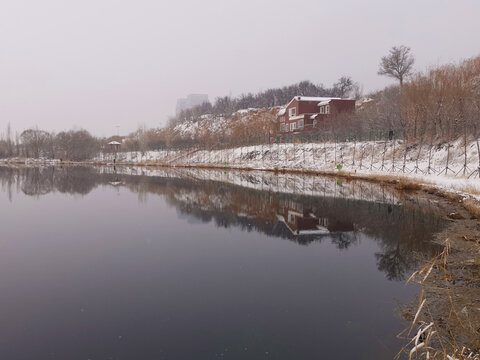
x=96 y=64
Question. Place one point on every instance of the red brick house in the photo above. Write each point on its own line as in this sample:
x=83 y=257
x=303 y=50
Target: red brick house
x=304 y=113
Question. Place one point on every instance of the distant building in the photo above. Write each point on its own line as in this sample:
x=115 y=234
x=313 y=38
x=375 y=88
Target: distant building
x=190 y=101
x=304 y=113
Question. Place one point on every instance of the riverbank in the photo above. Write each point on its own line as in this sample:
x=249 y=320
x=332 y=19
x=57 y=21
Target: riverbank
x=451 y=167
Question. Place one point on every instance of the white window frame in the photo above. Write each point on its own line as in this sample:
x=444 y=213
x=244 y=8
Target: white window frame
x=300 y=124
x=327 y=109
x=293 y=126
x=282 y=118
x=322 y=110
x=314 y=123
x=292 y=112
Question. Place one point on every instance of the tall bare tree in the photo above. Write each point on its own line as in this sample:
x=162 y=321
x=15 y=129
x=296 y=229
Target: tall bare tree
x=397 y=64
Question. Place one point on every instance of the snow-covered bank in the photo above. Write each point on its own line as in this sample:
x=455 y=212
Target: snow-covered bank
x=439 y=166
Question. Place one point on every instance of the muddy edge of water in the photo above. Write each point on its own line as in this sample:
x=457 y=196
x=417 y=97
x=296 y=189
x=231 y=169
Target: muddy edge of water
x=452 y=289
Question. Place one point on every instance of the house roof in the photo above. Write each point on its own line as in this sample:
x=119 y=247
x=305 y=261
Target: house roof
x=114 y=143
x=281 y=112
x=314 y=98
x=325 y=102
x=318 y=230
x=311 y=98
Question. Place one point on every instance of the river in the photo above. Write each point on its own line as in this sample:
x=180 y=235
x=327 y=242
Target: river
x=184 y=264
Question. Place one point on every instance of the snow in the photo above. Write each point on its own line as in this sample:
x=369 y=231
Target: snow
x=326 y=102
x=244 y=111
x=315 y=98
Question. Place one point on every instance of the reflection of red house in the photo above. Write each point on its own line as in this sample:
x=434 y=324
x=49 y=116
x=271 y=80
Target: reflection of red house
x=304 y=113
x=300 y=220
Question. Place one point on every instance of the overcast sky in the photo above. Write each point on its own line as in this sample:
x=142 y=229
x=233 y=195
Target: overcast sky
x=96 y=64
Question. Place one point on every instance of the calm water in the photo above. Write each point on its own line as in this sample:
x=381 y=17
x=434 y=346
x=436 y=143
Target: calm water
x=109 y=266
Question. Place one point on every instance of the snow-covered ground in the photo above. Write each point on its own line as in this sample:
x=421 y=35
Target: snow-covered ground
x=424 y=164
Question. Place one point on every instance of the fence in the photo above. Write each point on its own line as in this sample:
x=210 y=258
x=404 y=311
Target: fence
x=373 y=151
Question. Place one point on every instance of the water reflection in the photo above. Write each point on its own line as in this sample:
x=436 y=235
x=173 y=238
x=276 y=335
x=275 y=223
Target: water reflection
x=402 y=225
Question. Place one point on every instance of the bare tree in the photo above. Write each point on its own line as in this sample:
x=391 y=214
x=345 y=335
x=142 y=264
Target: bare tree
x=397 y=64
x=343 y=87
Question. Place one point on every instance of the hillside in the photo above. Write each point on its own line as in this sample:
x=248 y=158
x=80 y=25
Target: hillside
x=211 y=128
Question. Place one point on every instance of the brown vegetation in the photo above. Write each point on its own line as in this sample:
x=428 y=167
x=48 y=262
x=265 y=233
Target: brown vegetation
x=472 y=206
x=406 y=185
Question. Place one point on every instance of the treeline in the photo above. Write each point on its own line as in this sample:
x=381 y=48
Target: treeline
x=443 y=103
x=438 y=106
x=227 y=105
x=74 y=145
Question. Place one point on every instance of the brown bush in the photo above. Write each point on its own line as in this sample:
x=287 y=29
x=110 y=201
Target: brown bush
x=406 y=185
x=473 y=207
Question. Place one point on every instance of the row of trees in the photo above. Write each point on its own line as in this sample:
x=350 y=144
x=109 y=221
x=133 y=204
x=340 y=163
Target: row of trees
x=75 y=145
x=437 y=106
x=443 y=103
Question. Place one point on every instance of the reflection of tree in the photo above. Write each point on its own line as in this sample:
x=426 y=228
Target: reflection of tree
x=36 y=181
x=401 y=231
x=344 y=240
x=393 y=262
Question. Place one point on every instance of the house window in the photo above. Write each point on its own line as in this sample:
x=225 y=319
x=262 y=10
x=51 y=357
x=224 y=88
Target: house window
x=323 y=222
x=314 y=123
x=327 y=109
x=291 y=219
x=293 y=126
x=300 y=124
x=282 y=119
x=292 y=111
x=322 y=110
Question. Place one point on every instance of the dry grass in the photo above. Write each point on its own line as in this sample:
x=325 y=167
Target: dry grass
x=429 y=341
x=451 y=196
x=472 y=206
x=407 y=185
x=471 y=189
